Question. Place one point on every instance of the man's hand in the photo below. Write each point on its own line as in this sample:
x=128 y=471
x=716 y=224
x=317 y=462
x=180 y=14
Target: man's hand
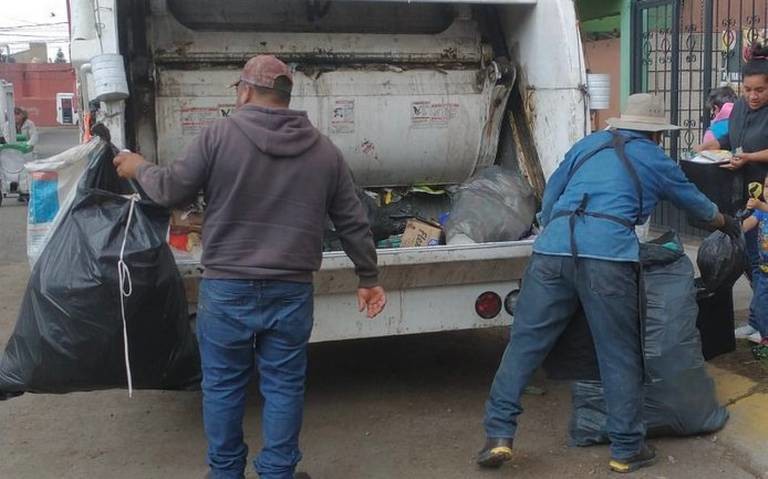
x=730 y=226
x=372 y=300
x=128 y=164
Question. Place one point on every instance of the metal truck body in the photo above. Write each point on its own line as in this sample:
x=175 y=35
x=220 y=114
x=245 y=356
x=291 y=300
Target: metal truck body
x=413 y=93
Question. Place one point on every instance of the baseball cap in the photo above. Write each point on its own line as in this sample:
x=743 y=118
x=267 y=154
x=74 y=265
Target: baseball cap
x=263 y=70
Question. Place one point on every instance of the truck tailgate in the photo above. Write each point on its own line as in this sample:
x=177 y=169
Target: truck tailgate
x=405 y=268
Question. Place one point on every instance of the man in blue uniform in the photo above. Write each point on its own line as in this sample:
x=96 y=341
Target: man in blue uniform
x=588 y=253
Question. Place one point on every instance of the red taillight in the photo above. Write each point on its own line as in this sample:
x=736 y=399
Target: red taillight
x=488 y=305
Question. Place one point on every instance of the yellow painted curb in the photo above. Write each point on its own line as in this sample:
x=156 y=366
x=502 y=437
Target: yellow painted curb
x=730 y=386
x=747 y=428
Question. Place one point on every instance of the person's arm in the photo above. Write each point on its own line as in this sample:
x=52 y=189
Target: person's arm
x=351 y=223
x=684 y=194
x=173 y=185
x=749 y=224
x=741 y=159
x=32 y=136
x=755 y=157
x=708 y=145
x=755 y=204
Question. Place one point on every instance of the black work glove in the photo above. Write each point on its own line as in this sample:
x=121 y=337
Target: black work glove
x=731 y=226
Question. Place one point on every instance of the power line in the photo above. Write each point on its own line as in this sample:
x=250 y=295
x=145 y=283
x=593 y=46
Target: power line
x=32 y=25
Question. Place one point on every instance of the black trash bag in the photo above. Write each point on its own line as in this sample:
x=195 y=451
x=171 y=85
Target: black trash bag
x=679 y=394
x=386 y=220
x=721 y=260
x=69 y=332
x=573 y=358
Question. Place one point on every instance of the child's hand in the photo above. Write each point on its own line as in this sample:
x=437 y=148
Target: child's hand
x=755 y=204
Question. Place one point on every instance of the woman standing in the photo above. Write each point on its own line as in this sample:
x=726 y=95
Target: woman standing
x=25 y=126
x=747 y=137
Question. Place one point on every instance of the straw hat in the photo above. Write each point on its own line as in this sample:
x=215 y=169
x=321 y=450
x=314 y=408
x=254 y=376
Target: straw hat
x=644 y=112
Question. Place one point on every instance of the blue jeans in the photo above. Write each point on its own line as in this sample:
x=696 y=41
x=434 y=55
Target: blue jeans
x=245 y=327
x=753 y=253
x=551 y=291
x=759 y=305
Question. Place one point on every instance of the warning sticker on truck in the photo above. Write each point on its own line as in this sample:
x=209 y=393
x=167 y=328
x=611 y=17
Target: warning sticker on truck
x=343 y=117
x=426 y=114
x=193 y=119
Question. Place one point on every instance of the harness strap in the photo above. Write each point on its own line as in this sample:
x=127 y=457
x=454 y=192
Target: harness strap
x=617 y=143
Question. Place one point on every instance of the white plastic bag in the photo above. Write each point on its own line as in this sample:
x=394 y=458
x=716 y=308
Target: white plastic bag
x=53 y=182
x=494 y=205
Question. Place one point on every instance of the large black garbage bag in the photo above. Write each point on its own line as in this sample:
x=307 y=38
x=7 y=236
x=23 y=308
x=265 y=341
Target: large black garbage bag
x=573 y=358
x=69 y=333
x=679 y=394
x=721 y=260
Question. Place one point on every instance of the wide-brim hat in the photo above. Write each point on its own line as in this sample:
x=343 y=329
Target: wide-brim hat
x=644 y=112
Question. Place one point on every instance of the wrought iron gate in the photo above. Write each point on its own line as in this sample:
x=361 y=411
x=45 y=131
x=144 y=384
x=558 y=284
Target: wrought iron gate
x=681 y=49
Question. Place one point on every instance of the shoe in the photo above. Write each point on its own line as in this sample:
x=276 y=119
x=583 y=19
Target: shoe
x=302 y=475
x=496 y=452
x=744 y=332
x=755 y=337
x=644 y=458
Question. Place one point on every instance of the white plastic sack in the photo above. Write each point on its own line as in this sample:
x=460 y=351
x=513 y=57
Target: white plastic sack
x=494 y=205
x=53 y=182
x=12 y=168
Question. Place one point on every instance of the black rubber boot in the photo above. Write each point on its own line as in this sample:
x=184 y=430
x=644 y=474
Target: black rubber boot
x=646 y=457
x=496 y=452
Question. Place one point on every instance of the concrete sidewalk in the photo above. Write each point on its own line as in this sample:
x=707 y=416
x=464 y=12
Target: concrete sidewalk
x=742 y=385
x=747 y=429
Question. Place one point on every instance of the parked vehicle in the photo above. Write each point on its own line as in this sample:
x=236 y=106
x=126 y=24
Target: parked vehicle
x=413 y=93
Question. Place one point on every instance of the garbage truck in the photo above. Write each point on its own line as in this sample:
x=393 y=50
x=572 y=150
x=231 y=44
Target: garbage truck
x=425 y=93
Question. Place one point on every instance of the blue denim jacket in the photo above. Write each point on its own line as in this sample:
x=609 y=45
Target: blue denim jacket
x=611 y=192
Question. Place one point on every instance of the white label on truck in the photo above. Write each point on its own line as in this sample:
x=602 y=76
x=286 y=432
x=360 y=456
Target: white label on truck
x=343 y=116
x=426 y=114
x=193 y=119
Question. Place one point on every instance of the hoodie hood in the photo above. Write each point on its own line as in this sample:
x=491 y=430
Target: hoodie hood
x=276 y=132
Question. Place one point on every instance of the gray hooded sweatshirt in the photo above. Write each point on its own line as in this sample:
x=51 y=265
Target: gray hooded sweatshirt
x=270 y=181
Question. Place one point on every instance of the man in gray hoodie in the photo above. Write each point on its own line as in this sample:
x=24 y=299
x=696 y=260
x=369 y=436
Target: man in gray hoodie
x=270 y=181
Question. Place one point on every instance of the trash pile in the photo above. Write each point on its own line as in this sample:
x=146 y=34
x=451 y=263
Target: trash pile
x=185 y=233
x=679 y=395
x=105 y=305
x=494 y=205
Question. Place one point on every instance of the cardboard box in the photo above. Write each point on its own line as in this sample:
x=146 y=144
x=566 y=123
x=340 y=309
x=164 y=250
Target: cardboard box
x=187 y=221
x=420 y=233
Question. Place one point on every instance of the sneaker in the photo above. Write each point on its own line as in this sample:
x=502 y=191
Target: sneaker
x=496 y=452
x=744 y=332
x=644 y=458
x=302 y=475
x=755 y=337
